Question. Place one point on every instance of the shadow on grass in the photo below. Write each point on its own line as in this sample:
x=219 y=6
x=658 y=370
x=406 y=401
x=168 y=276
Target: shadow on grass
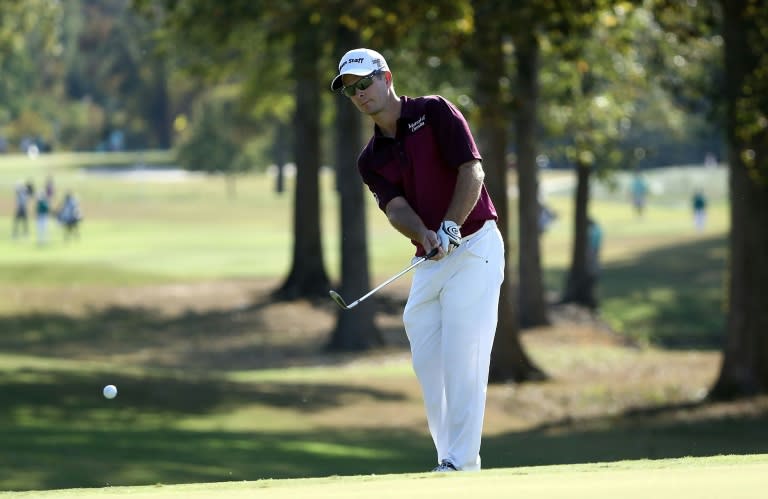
x=671 y=296
x=53 y=458
x=228 y=339
x=30 y=395
x=57 y=431
x=90 y=449
x=648 y=433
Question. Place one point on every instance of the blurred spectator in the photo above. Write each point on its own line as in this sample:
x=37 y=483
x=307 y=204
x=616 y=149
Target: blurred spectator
x=43 y=208
x=546 y=217
x=50 y=189
x=639 y=193
x=20 y=219
x=116 y=140
x=69 y=216
x=710 y=161
x=594 y=243
x=699 y=210
x=33 y=151
x=25 y=143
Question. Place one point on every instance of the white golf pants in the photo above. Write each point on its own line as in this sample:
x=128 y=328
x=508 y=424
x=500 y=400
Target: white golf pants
x=450 y=319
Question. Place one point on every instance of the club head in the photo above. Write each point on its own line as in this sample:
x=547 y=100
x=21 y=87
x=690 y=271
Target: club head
x=338 y=299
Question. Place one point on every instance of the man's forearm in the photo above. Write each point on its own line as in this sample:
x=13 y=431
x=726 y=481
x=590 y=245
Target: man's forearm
x=468 y=186
x=403 y=218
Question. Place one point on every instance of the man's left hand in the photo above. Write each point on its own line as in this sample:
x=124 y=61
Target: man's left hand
x=449 y=235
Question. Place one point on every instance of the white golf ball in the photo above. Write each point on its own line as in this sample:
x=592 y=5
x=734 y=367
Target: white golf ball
x=110 y=391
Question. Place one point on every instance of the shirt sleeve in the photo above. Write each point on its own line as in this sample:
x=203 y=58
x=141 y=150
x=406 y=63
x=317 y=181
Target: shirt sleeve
x=383 y=190
x=453 y=135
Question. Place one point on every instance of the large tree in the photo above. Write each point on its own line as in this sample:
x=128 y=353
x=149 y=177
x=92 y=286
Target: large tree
x=532 y=295
x=596 y=79
x=509 y=360
x=307 y=277
x=744 y=368
x=216 y=37
x=355 y=328
x=528 y=23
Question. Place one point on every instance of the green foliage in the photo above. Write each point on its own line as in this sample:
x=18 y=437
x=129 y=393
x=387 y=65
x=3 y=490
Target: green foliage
x=219 y=138
x=75 y=71
x=630 y=93
x=122 y=64
x=28 y=46
x=209 y=145
x=751 y=107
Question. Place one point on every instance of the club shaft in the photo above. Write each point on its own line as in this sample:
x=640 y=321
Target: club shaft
x=394 y=277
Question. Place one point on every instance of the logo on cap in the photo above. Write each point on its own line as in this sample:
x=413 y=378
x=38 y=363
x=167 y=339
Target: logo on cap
x=358 y=60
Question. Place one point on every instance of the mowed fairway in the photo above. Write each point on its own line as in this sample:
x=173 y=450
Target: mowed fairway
x=732 y=477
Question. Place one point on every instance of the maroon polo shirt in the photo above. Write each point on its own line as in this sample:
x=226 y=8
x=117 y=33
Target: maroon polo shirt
x=421 y=163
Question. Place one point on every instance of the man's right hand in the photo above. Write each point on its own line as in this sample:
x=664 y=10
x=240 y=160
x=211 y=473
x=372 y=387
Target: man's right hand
x=430 y=241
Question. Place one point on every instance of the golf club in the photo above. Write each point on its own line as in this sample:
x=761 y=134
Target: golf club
x=340 y=301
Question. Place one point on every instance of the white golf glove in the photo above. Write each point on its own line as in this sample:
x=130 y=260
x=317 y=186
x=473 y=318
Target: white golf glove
x=449 y=235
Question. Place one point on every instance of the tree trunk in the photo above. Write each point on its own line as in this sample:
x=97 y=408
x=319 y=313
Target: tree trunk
x=508 y=359
x=744 y=369
x=279 y=150
x=580 y=283
x=355 y=328
x=160 y=108
x=533 y=305
x=307 y=278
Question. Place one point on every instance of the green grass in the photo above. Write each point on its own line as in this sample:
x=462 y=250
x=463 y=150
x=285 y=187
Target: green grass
x=170 y=426
x=143 y=231
x=223 y=417
x=60 y=161
x=738 y=477
x=662 y=282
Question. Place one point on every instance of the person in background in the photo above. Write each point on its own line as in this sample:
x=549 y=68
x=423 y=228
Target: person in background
x=699 y=203
x=547 y=216
x=594 y=244
x=69 y=216
x=424 y=169
x=639 y=192
x=20 y=218
x=50 y=189
x=43 y=209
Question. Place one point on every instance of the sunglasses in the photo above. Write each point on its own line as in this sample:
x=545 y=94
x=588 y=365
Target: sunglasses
x=361 y=84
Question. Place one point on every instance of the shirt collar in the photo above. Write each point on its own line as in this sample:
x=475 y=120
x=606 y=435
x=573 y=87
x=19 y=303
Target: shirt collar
x=406 y=113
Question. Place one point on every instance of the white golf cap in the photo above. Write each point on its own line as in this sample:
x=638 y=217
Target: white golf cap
x=359 y=62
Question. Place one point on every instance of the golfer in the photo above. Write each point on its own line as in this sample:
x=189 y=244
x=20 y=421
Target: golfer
x=424 y=170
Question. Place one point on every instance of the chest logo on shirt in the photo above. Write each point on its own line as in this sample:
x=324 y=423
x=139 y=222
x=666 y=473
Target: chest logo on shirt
x=417 y=124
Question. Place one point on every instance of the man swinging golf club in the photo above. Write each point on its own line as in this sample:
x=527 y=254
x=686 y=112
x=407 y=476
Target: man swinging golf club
x=424 y=169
